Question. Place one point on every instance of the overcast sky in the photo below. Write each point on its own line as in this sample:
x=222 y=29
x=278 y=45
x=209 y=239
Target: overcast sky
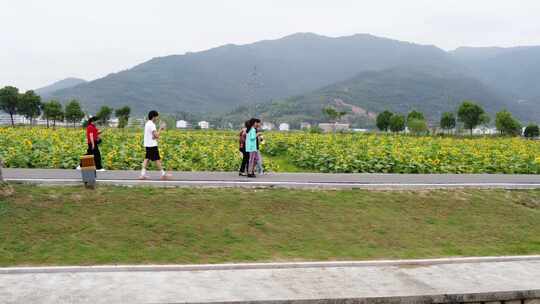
x=45 y=41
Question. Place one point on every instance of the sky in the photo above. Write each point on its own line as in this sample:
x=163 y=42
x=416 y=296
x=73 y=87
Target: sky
x=45 y=41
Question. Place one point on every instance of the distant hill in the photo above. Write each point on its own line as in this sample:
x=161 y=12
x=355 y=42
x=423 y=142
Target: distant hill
x=431 y=90
x=60 y=85
x=231 y=75
x=515 y=71
x=363 y=74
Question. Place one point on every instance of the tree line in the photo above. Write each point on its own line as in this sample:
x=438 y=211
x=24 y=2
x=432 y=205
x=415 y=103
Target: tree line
x=30 y=105
x=469 y=114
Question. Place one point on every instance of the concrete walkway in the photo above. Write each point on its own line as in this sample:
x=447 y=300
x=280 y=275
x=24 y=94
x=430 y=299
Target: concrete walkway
x=290 y=180
x=420 y=281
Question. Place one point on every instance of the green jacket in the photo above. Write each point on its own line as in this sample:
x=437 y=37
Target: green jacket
x=251 y=140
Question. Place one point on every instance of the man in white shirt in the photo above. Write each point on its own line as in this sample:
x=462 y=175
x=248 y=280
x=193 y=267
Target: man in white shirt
x=151 y=136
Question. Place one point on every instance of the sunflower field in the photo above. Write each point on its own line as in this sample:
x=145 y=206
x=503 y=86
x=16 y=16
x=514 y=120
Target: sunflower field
x=120 y=149
x=218 y=151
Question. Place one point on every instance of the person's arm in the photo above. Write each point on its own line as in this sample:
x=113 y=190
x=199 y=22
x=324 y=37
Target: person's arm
x=157 y=133
x=92 y=143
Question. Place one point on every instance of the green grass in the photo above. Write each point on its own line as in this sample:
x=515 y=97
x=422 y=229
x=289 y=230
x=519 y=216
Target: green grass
x=114 y=225
x=284 y=164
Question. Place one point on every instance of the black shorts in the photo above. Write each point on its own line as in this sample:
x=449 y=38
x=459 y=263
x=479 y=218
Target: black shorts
x=152 y=153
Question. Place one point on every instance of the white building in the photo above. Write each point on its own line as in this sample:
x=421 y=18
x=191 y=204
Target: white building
x=305 y=125
x=204 y=124
x=284 y=127
x=5 y=119
x=485 y=131
x=182 y=124
x=114 y=122
x=268 y=126
x=331 y=127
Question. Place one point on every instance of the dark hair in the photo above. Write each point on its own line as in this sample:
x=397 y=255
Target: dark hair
x=247 y=124
x=252 y=122
x=152 y=114
x=91 y=119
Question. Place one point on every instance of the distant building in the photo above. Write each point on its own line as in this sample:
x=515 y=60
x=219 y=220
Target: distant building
x=204 y=124
x=485 y=131
x=114 y=122
x=305 y=125
x=182 y=124
x=330 y=127
x=5 y=119
x=284 y=127
x=361 y=130
x=136 y=122
x=268 y=126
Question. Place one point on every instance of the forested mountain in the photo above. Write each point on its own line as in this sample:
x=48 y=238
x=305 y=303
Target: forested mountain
x=293 y=78
x=428 y=89
x=515 y=71
x=227 y=76
x=60 y=85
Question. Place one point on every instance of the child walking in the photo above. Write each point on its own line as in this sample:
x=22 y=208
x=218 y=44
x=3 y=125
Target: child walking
x=151 y=137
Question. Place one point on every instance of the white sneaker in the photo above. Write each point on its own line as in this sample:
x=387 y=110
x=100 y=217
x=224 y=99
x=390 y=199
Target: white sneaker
x=101 y=170
x=78 y=168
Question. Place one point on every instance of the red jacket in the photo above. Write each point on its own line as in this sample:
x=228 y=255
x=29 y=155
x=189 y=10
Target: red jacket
x=91 y=128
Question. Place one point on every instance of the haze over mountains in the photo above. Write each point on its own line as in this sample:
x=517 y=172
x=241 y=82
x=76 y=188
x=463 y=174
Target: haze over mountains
x=296 y=76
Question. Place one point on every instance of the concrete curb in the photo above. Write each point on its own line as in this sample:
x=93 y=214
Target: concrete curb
x=278 y=184
x=496 y=297
x=254 y=266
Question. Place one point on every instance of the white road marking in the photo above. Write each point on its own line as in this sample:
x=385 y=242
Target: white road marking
x=278 y=183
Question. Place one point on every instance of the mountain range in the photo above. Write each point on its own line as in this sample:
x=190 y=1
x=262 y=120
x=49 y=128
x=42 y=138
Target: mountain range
x=293 y=78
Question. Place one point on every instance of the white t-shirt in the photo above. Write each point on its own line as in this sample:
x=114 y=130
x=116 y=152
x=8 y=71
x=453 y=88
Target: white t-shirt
x=149 y=129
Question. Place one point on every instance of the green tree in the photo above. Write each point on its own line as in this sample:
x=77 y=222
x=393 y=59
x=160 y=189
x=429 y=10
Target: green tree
x=383 y=120
x=417 y=126
x=448 y=121
x=507 y=124
x=74 y=112
x=52 y=110
x=9 y=101
x=415 y=115
x=470 y=114
x=104 y=115
x=397 y=123
x=333 y=115
x=123 y=116
x=532 y=131
x=30 y=105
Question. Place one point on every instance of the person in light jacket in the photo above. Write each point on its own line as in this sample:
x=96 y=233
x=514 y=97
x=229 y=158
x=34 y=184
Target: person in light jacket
x=251 y=145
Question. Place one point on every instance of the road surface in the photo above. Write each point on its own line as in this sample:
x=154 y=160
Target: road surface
x=421 y=281
x=287 y=180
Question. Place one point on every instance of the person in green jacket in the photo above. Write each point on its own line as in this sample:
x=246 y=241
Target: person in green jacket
x=251 y=145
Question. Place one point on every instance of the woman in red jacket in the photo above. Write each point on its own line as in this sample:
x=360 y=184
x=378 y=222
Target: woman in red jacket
x=93 y=140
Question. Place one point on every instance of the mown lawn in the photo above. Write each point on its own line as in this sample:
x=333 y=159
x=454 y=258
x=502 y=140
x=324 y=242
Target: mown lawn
x=116 y=225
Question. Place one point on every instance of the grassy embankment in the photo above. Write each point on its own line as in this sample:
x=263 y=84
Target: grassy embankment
x=114 y=225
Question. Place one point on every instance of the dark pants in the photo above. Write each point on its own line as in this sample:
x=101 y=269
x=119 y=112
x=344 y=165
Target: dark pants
x=97 y=155
x=245 y=160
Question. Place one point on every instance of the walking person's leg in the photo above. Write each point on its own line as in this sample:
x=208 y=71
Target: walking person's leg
x=252 y=163
x=97 y=157
x=143 y=170
x=245 y=161
x=260 y=168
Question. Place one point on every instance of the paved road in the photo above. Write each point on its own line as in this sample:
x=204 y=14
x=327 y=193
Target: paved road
x=421 y=281
x=290 y=180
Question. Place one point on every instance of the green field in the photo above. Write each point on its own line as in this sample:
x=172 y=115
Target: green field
x=115 y=225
